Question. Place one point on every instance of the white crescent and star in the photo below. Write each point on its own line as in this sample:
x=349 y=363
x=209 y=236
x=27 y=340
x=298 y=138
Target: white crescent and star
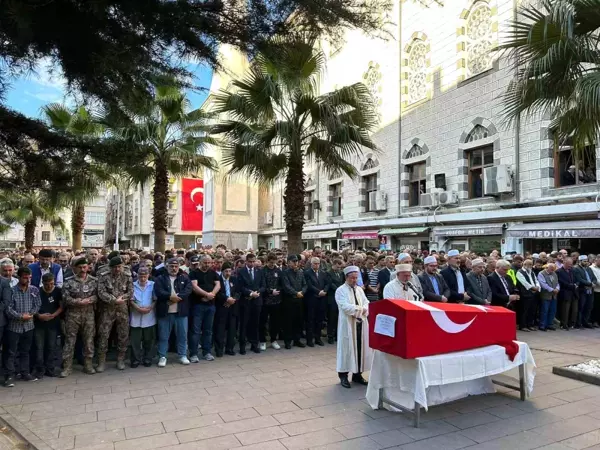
x=195 y=191
x=442 y=320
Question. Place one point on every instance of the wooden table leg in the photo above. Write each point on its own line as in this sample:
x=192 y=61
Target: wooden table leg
x=522 y=382
x=417 y=413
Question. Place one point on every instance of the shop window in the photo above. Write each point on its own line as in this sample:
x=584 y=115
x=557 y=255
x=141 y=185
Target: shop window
x=336 y=199
x=417 y=183
x=309 y=206
x=370 y=192
x=45 y=236
x=574 y=167
x=479 y=159
x=94 y=217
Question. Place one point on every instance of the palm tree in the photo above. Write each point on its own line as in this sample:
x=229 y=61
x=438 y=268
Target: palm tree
x=88 y=175
x=162 y=138
x=26 y=208
x=274 y=120
x=554 y=45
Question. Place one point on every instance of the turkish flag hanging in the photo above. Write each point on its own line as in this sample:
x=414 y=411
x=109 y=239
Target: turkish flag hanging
x=192 y=199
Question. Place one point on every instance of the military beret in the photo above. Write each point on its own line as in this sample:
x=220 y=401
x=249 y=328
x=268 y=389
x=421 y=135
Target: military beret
x=112 y=254
x=80 y=262
x=115 y=261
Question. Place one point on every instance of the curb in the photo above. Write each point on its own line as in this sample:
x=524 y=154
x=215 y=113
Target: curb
x=33 y=442
x=576 y=375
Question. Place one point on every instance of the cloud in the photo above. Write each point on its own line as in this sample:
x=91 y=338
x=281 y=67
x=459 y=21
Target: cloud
x=49 y=75
x=45 y=96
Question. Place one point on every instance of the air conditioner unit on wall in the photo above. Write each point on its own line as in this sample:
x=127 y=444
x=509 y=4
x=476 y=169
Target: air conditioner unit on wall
x=497 y=180
x=427 y=200
x=380 y=201
x=447 y=198
x=268 y=218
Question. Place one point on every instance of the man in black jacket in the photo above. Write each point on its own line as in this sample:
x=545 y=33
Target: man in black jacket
x=252 y=288
x=227 y=312
x=316 y=302
x=567 y=296
x=456 y=279
x=294 y=289
x=271 y=310
x=172 y=289
x=384 y=275
x=502 y=286
x=335 y=278
x=585 y=279
x=434 y=286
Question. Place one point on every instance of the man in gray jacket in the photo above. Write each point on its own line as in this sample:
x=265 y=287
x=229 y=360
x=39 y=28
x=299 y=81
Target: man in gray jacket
x=478 y=287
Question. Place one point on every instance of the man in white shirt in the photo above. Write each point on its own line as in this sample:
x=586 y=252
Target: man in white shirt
x=401 y=287
x=595 y=318
x=529 y=289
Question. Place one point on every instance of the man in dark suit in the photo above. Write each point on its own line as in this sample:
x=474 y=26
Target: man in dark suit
x=456 y=279
x=227 y=312
x=294 y=289
x=479 y=288
x=335 y=280
x=567 y=296
x=5 y=298
x=585 y=279
x=252 y=288
x=384 y=275
x=316 y=301
x=434 y=286
x=502 y=286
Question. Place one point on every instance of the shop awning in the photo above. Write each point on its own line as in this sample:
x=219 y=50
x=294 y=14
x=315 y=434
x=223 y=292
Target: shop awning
x=366 y=234
x=469 y=230
x=560 y=230
x=402 y=231
x=307 y=235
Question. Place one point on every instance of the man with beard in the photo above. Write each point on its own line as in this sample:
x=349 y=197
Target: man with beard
x=271 y=310
x=456 y=279
x=434 y=286
x=585 y=279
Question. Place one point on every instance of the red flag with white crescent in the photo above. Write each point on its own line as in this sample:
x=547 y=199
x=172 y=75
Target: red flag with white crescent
x=192 y=196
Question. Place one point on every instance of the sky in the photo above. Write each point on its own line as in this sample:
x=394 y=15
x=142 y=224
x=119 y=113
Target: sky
x=29 y=93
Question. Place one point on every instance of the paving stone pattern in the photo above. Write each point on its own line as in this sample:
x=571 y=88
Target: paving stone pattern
x=291 y=399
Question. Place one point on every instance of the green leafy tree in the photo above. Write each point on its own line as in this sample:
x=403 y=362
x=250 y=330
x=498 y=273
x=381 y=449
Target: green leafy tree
x=162 y=137
x=27 y=208
x=273 y=120
x=87 y=175
x=555 y=48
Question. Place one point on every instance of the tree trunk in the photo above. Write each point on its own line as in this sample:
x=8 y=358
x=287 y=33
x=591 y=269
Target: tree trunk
x=30 y=233
x=161 y=199
x=77 y=225
x=293 y=201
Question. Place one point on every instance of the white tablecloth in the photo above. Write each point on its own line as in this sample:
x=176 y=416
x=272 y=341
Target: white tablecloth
x=433 y=380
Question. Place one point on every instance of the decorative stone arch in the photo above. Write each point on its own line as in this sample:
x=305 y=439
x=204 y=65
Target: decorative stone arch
x=369 y=164
x=480 y=132
x=409 y=92
x=416 y=152
x=467 y=65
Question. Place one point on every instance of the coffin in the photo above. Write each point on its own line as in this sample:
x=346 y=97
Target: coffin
x=413 y=329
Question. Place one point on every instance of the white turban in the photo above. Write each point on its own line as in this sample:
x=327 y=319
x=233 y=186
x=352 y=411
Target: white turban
x=430 y=260
x=403 y=256
x=351 y=269
x=453 y=253
x=404 y=268
x=583 y=258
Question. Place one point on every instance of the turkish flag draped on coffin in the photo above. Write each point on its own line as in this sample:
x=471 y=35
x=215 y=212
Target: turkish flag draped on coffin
x=431 y=328
x=192 y=198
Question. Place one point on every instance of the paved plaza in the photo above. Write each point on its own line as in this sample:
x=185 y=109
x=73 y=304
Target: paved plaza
x=292 y=400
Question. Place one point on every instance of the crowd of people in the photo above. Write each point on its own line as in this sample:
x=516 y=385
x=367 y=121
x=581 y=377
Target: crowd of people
x=216 y=299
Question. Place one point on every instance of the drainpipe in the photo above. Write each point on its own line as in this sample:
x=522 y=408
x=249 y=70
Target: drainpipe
x=517 y=129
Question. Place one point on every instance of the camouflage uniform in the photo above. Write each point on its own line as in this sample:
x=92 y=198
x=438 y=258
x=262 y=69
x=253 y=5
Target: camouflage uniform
x=110 y=287
x=79 y=317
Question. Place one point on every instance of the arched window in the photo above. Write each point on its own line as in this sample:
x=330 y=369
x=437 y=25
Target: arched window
x=415 y=150
x=372 y=79
x=417 y=76
x=477 y=133
x=480 y=36
x=369 y=164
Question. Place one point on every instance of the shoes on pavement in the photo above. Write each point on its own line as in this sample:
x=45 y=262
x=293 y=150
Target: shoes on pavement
x=183 y=360
x=230 y=352
x=9 y=382
x=551 y=328
x=147 y=363
x=359 y=380
x=319 y=342
x=263 y=346
x=242 y=351
x=28 y=377
x=275 y=345
x=133 y=365
x=50 y=373
x=209 y=357
x=299 y=344
x=345 y=383
x=194 y=359
x=255 y=349
x=288 y=346
x=532 y=329
x=310 y=344
x=330 y=340
x=162 y=361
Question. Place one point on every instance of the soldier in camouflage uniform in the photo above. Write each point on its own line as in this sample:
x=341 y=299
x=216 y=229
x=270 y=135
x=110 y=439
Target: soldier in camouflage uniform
x=115 y=290
x=79 y=297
